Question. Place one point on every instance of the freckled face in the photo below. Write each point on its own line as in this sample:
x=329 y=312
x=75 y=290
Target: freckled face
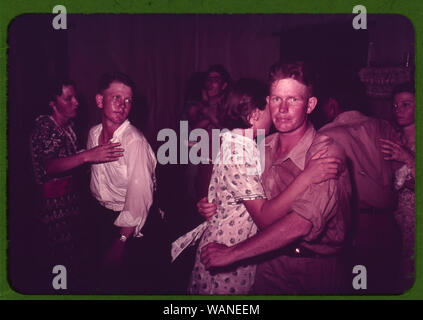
x=116 y=102
x=404 y=106
x=289 y=105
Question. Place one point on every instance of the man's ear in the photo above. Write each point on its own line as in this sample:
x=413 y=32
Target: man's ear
x=99 y=100
x=224 y=86
x=334 y=106
x=311 y=104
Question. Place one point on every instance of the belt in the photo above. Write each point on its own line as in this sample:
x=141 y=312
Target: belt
x=58 y=187
x=373 y=210
x=302 y=252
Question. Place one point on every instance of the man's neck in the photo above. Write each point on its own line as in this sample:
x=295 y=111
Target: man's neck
x=60 y=120
x=337 y=112
x=108 y=130
x=287 y=141
x=214 y=100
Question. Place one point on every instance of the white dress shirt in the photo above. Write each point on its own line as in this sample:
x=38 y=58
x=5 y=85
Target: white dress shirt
x=125 y=185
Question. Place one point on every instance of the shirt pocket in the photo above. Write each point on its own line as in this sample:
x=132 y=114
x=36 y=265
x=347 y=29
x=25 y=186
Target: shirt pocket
x=118 y=174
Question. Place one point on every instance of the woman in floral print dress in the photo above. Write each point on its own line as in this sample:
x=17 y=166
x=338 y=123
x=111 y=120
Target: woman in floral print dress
x=55 y=156
x=236 y=178
x=403 y=153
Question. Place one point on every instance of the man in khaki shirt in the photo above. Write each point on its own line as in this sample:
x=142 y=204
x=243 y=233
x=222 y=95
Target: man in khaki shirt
x=375 y=237
x=303 y=244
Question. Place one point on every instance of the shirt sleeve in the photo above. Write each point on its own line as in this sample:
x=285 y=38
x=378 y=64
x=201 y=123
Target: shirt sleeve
x=243 y=177
x=323 y=202
x=141 y=164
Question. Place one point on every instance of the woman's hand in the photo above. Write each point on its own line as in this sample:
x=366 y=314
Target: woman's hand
x=396 y=152
x=207 y=210
x=104 y=153
x=320 y=169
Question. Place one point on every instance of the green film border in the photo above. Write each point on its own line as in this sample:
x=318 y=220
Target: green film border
x=412 y=9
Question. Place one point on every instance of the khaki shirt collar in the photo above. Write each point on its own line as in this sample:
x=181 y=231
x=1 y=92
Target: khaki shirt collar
x=297 y=154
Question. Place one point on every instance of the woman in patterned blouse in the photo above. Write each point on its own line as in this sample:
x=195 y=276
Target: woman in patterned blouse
x=55 y=155
x=403 y=153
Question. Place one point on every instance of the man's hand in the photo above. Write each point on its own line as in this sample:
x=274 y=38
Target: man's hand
x=216 y=255
x=207 y=210
x=114 y=256
x=320 y=169
x=104 y=153
x=127 y=231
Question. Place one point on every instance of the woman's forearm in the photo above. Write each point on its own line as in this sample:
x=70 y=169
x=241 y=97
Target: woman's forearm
x=58 y=165
x=279 y=206
x=264 y=213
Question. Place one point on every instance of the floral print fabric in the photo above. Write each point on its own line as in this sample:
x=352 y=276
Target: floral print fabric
x=49 y=140
x=405 y=217
x=60 y=217
x=236 y=177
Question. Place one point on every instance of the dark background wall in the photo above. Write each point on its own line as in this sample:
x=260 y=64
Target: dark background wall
x=161 y=52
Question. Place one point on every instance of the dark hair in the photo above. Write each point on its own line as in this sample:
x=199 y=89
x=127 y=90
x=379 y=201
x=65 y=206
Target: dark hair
x=220 y=70
x=349 y=92
x=55 y=87
x=110 y=77
x=244 y=97
x=298 y=70
x=404 y=87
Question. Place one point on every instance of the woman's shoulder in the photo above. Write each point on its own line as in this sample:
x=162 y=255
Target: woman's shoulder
x=237 y=138
x=43 y=125
x=43 y=121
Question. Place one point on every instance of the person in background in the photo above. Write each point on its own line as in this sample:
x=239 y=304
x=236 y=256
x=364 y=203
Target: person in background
x=402 y=153
x=375 y=240
x=204 y=101
x=205 y=114
x=56 y=157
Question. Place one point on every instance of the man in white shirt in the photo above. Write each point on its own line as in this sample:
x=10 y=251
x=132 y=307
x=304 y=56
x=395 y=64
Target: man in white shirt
x=123 y=188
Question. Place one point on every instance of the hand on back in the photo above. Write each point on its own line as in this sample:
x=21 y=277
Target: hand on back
x=320 y=168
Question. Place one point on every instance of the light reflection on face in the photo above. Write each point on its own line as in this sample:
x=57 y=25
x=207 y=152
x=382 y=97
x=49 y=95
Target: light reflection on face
x=116 y=102
x=404 y=106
